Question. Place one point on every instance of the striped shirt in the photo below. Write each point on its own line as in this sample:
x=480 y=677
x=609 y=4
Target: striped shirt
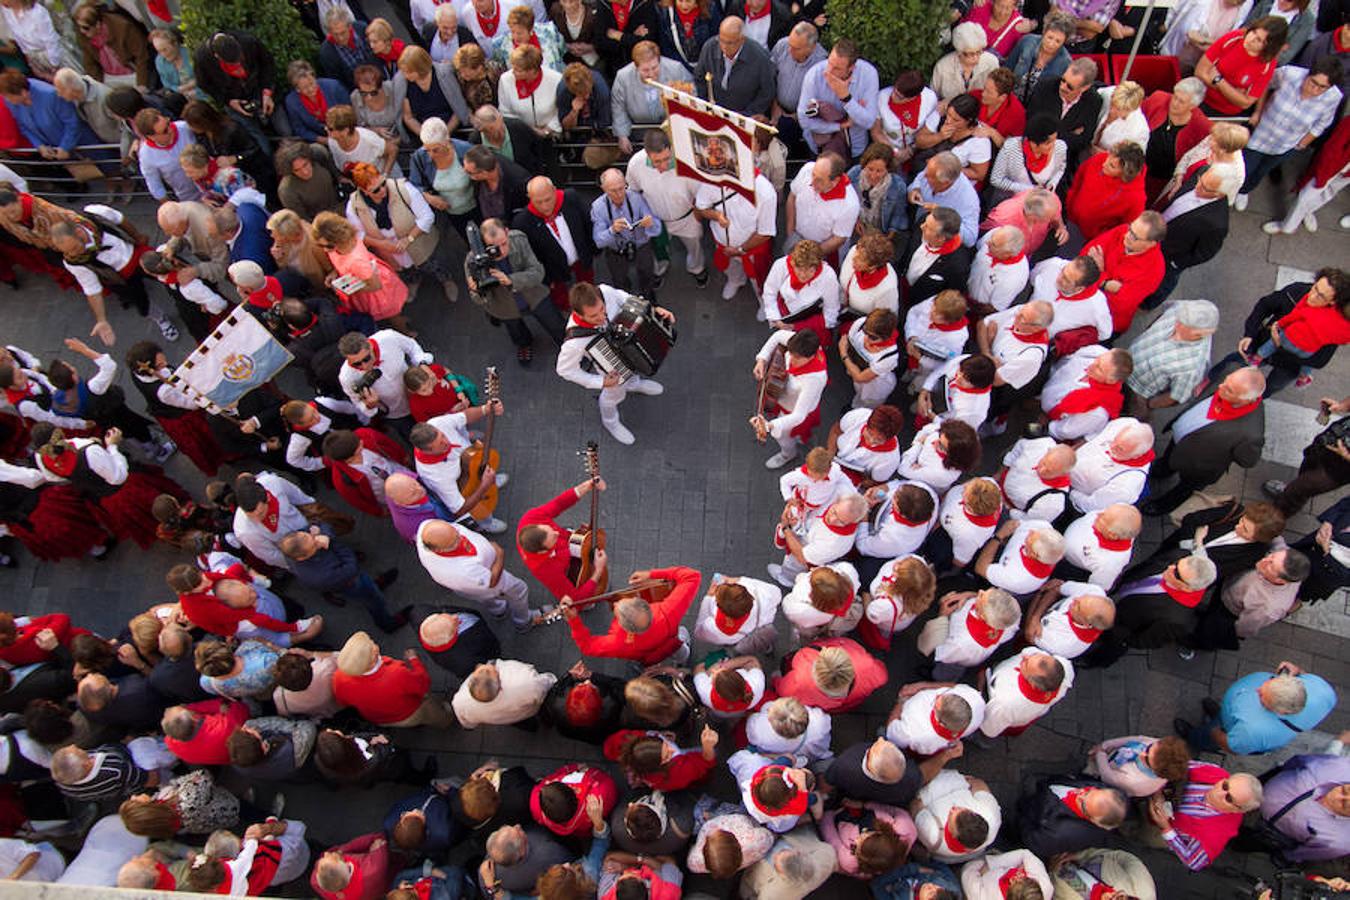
x=1288 y=115
x=113 y=776
x=1199 y=832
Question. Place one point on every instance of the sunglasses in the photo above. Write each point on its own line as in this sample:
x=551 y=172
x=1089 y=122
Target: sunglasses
x=364 y=93
x=362 y=361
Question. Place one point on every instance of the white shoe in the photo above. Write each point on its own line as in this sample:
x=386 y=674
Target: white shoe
x=303 y=624
x=1272 y=228
x=502 y=479
x=619 y=433
x=491 y=525
x=776 y=573
x=729 y=290
x=759 y=315
x=662 y=266
x=779 y=459
x=1240 y=203
x=1345 y=221
x=1310 y=221
x=649 y=387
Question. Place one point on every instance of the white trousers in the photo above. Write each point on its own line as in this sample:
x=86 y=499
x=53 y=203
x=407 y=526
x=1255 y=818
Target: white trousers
x=1311 y=199
x=611 y=397
x=509 y=594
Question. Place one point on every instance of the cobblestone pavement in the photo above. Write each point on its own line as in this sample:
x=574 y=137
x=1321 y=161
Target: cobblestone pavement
x=693 y=491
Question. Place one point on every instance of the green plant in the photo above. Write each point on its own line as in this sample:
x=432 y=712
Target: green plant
x=274 y=22
x=891 y=34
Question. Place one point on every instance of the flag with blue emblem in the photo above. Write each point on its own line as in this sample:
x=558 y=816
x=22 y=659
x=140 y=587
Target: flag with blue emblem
x=237 y=357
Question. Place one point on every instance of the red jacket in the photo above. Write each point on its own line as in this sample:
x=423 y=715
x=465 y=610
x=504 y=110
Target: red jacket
x=686 y=768
x=390 y=694
x=1213 y=832
x=1139 y=274
x=25 y=651
x=1332 y=158
x=370 y=869
x=593 y=781
x=220 y=719
x=657 y=887
x=868 y=675
x=353 y=484
x=658 y=641
x=550 y=566
x=1310 y=328
x=211 y=614
x=1097 y=202
x=1193 y=132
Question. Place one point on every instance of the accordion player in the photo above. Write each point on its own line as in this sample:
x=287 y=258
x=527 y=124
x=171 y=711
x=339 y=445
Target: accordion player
x=636 y=340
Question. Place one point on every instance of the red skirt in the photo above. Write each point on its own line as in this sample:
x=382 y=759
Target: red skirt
x=756 y=263
x=192 y=433
x=817 y=324
x=803 y=431
x=127 y=513
x=33 y=260
x=62 y=525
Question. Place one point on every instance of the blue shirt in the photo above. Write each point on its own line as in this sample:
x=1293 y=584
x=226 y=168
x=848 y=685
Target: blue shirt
x=634 y=208
x=50 y=121
x=960 y=197
x=1252 y=728
x=861 y=108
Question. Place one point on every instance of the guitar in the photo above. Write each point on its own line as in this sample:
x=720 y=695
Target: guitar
x=653 y=590
x=586 y=539
x=481 y=455
x=770 y=389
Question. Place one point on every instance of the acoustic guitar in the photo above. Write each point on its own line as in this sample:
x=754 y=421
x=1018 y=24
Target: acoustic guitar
x=586 y=539
x=771 y=387
x=481 y=455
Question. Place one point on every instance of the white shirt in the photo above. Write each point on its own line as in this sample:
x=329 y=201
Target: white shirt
x=960 y=648
x=882 y=362
x=746 y=219
x=891 y=537
x=900 y=134
x=523 y=689
x=754 y=677
x=540 y=109
x=107 y=463
x=971 y=407
x=887 y=613
x=996 y=284
x=816 y=496
x=468 y=18
x=1069 y=314
x=294 y=852
x=811 y=745
x=876 y=463
x=573 y=350
x=397 y=353
x=33 y=31
x=1083 y=549
x=1018 y=361
x=819 y=219
x=1097 y=479
x=1067 y=375
x=467 y=574
x=671 y=196
x=297 y=448
x=883 y=295
x=914 y=731
x=370 y=148
x=1023 y=483
x=1009 y=571
x=757 y=30
x=442 y=478
x=967 y=537
x=822 y=291
x=113 y=252
x=923 y=259
x=1057 y=632
x=105 y=849
x=797 y=606
x=824 y=543
x=1185 y=203
x=921 y=462
x=948 y=791
x=980 y=877
x=765 y=599
x=1133 y=128
x=936 y=345
x=263 y=542
x=377 y=468
x=801 y=392
x=1007 y=707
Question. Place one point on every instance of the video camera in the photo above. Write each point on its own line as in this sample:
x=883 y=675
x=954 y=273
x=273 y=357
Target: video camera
x=482 y=259
x=368 y=379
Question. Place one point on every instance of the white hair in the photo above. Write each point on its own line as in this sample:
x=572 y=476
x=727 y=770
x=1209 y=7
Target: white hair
x=969 y=36
x=999 y=608
x=1048 y=546
x=1192 y=87
x=68 y=79
x=1287 y=695
x=246 y=274
x=434 y=129
x=338 y=14
x=444 y=12
x=485 y=114
x=807 y=32
x=1010 y=238
x=1203 y=572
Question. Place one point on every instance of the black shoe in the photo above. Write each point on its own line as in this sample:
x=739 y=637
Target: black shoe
x=701 y=279
x=1210 y=707
x=335 y=599
x=1150 y=508
x=398 y=621
x=1182 y=727
x=384 y=579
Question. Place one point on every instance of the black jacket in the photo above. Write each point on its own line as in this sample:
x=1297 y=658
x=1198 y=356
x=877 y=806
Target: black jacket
x=513 y=789
x=136 y=708
x=948 y=272
x=618 y=54
x=316 y=350
x=1049 y=826
x=1205 y=455
x=577 y=213
x=1196 y=236
x=177 y=680
x=1230 y=560
x=512 y=186
x=554 y=709
x=475 y=645
x=752 y=86
x=51 y=680
x=1269 y=309
x=528 y=149
x=1078 y=126
x=781 y=19
x=260 y=71
x=847 y=776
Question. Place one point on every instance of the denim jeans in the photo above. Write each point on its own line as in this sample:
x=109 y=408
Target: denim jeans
x=363 y=590
x=1259 y=165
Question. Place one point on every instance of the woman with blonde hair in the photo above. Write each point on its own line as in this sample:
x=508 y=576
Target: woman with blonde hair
x=1121 y=119
x=386 y=48
x=144 y=630
x=424 y=89
x=295 y=251
x=529 y=92
x=901 y=592
x=523 y=31
x=365 y=282
x=1223 y=151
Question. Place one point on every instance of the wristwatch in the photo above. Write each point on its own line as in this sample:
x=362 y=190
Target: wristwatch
x=1218 y=77
x=847 y=98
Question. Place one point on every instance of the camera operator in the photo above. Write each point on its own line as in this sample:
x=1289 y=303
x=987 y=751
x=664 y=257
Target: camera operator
x=507 y=280
x=372 y=375
x=623 y=226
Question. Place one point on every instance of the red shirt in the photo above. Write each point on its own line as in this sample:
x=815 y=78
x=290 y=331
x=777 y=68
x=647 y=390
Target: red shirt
x=550 y=566
x=440 y=401
x=1009 y=120
x=1310 y=328
x=658 y=641
x=370 y=869
x=390 y=694
x=868 y=675
x=210 y=614
x=1239 y=68
x=25 y=651
x=1139 y=274
x=1097 y=202
x=686 y=768
x=220 y=719
x=593 y=781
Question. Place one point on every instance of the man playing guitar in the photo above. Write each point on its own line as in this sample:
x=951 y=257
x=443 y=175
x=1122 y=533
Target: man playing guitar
x=544 y=544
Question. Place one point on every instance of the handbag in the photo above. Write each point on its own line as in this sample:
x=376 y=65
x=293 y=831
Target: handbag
x=1067 y=343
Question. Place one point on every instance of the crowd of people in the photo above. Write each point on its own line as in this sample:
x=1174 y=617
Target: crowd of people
x=986 y=250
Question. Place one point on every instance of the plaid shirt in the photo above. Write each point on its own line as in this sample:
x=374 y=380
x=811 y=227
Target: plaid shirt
x=1288 y=116
x=1162 y=363
x=1091 y=10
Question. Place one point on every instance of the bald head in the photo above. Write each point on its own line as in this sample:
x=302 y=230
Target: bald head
x=404 y=490
x=1006 y=241
x=1094 y=611
x=1120 y=521
x=438 y=535
x=885 y=762
x=731 y=29
x=437 y=629
x=172 y=217
x=540 y=186
x=1135 y=439
x=612 y=179
x=1243 y=386
x=1210 y=184
x=1057 y=461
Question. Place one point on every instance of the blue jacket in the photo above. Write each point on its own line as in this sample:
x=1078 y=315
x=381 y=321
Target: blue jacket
x=50 y=121
x=1024 y=54
x=253 y=241
x=894 y=208
x=442 y=830
x=422 y=171
x=303 y=121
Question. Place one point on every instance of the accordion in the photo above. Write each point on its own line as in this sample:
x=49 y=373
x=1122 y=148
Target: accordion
x=635 y=341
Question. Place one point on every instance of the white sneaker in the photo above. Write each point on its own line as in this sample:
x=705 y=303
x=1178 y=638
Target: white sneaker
x=779 y=459
x=729 y=290
x=1310 y=222
x=491 y=525
x=303 y=624
x=1240 y=203
x=1272 y=228
x=502 y=479
x=649 y=387
x=1345 y=221
x=620 y=433
x=776 y=573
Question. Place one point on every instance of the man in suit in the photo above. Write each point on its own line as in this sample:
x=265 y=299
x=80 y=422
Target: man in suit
x=1068 y=814
x=938 y=260
x=243 y=228
x=1234 y=537
x=742 y=73
x=1197 y=224
x=558 y=226
x=1154 y=610
x=1072 y=101
x=1224 y=427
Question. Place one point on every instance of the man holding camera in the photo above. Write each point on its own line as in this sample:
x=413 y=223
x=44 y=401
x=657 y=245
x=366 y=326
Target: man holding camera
x=507 y=280
x=623 y=225
x=372 y=375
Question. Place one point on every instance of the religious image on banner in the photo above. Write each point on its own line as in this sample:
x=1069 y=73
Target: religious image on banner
x=237 y=357
x=710 y=144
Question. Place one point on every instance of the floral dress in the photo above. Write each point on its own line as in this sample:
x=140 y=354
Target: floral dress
x=202 y=807
x=254 y=680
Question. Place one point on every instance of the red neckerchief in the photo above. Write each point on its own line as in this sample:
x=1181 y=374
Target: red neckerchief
x=1031 y=692
x=1036 y=337
x=987 y=116
x=814 y=364
x=1010 y=261
x=1220 y=410
x=1059 y=481
x=431 y=459
x=764 y=11
x=722 y=704
x=441 y=648
x=889 y=341
x=374 y=351
x=62 y=464
x=982 y=521
x=1006 y=880
x=907 y=111
x=235 y=572
x=837 y=192
x=1035 y=164
x=1074 y=801
x=839 y=529
x=795 y=279
x=982 y=632
x=949 y=326
x=950 y=840
x=577 y=322
x=1142 y=459
x=908 y=523
x=489 y=26
x=885 y=446
x=1101 y=891
x=869 y=280
x=396 y=48
x=728 y=624
x=552 y=220
x=15 y=396
x=526 y=88
x=1188 y=599
x=949 y=247
x=424 y=885
x=689 y=19
x=1082 y=632
x=970 y=390
x=164 y=880
x=26 y=209
x=1111 y=543
x=301 y=332
x=272 y=518
x=268 y=295
x=234 y=70
x=796 y=804
x=173 y=138
x=463 y=548
x=316 y=107
x=312 y=405
x=1109 y=397
x=621 y=13
x=942 y=730
x=1033 y=565
x=1083 y=294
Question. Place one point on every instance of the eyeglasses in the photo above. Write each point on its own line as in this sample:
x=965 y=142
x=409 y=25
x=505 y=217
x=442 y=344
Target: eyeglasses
x=365 y=93
x=1319 y=85
x=1227 y=795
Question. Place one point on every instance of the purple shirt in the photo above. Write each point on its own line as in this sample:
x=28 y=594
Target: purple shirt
x=1303 y=781
x=408 y=518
